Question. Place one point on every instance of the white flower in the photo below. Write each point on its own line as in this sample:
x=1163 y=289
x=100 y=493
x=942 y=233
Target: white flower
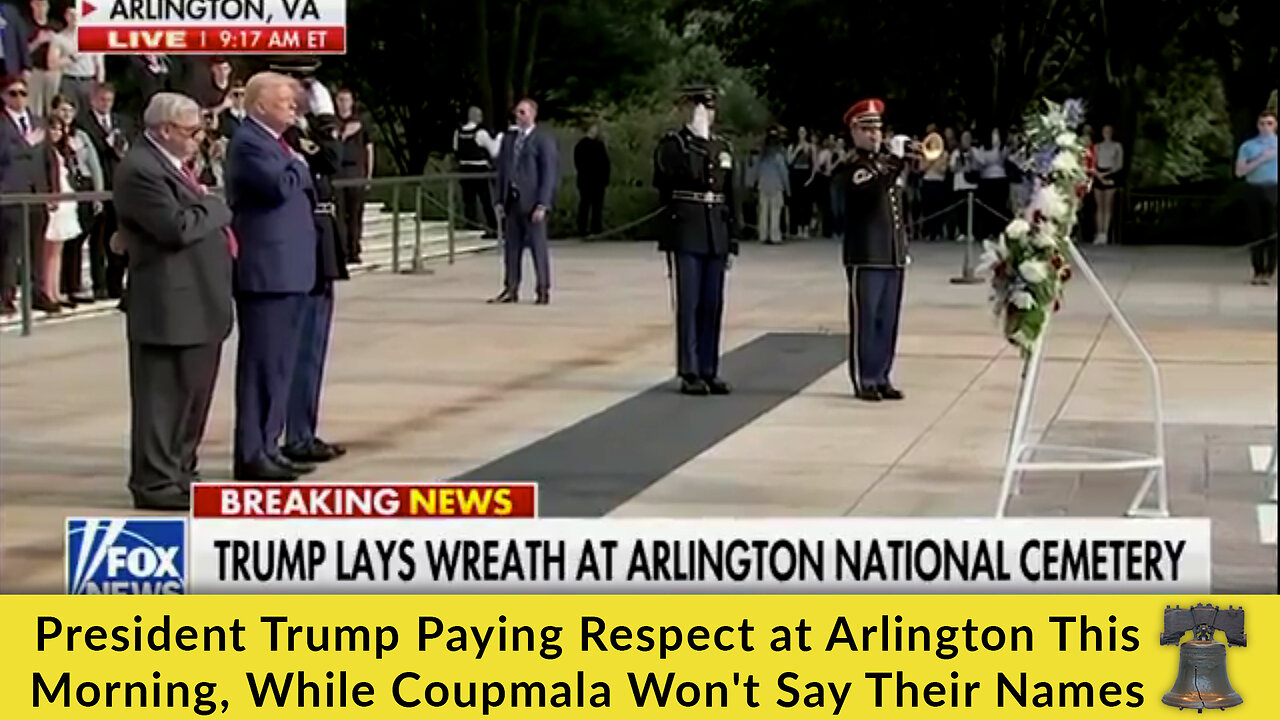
x=1017 y=229
x=1050 y=202
x=993 y=253
x=1043 y=239
x=1065 y=140
x=1066 y=163
x=1034 y=271
x=1023 y=300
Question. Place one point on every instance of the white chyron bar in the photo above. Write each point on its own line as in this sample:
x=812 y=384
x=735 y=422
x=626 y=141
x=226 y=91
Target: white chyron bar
x=213 y=27
x=607 y=555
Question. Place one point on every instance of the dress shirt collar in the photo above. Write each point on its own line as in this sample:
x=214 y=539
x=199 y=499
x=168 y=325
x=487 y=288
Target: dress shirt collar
x=173 y=159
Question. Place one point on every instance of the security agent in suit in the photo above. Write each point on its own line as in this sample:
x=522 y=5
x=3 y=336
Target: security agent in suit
x=693 y=170
x=528 y=177
x=273 y=198
x=875 y=254
x=179 y=311
x=25 y=167
x=316 y=138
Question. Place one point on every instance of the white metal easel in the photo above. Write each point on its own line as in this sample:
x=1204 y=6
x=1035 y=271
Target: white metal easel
x=1021 y=450
x=1271 y=466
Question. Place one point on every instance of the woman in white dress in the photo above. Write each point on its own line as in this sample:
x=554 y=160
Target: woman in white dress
x=1106 y=179
x=64 y=221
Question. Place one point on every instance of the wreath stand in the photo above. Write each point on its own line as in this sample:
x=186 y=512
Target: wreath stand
x=1022 y=450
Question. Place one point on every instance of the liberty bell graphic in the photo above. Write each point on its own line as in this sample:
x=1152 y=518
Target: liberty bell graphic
x=1202 y=662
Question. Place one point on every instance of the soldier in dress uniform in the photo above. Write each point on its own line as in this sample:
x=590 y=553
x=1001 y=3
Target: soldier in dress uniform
x=317 y=138
x=875 y=253
x=693 y=170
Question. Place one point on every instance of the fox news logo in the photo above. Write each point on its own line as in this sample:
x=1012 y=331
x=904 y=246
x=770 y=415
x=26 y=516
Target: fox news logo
x=126 y=556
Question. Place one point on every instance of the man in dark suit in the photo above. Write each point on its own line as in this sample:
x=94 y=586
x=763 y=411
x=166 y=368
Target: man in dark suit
x=317 y=139
x=15 y=55
x=25 y=167
x=111 y=134
x=528 y=177
x=273 y=199
x=179 y=312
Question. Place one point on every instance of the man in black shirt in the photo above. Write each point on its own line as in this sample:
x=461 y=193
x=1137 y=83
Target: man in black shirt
x=591 y=160
x=875 y=254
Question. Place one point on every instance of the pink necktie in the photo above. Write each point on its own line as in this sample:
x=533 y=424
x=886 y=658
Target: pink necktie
x=232 y=245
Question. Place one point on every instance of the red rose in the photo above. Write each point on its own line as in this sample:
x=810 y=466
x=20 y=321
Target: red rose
x=1056 y=261
x=1057 y=305
x=1066 y=274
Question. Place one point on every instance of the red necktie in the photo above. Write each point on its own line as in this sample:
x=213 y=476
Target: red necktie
x=232 y=245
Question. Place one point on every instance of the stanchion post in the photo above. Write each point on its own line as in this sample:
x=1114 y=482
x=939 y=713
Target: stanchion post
x=967 y=276
x=449 y=199
x=395 y=228
x=417 y=228
x=27 y=289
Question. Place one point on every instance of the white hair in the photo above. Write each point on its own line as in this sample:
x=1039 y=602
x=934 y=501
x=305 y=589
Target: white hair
x=166 y=108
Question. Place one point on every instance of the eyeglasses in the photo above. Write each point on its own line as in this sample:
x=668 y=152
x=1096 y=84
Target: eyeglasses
x=189 y=131
x=16 y=93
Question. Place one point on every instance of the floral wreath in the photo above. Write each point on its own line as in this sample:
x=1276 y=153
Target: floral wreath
x=1027 y=264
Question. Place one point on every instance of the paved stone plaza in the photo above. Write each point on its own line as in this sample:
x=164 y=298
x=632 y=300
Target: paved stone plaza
x=428 y=382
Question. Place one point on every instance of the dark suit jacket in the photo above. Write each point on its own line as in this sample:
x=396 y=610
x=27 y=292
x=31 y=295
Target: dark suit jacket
x=23 y=168
x=13 y=29
x=324 y=158
x=179 y=262
x=535 y=174
x=273 y=199
x=107 y=153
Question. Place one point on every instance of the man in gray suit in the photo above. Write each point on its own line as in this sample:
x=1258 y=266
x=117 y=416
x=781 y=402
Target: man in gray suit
x=528 y=177
x=180 y=251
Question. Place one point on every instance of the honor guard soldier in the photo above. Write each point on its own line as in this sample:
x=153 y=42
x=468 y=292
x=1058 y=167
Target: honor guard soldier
x=693 y=170
x=875 y=253
x=316 y=137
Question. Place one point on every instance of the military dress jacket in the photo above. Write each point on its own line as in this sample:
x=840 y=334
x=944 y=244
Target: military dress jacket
x=694 y=177
x=875 y=234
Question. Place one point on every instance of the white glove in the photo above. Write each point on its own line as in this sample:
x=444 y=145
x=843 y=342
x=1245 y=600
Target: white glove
x=701 y=124
x=319 y=99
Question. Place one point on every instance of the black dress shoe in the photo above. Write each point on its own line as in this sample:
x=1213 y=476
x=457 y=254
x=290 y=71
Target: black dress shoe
x=296 y=466
x=315 y=452
x=167 y=498
x=543 y=299
x=506 y=296
x=868 y=394
x=889 y=392
x=716 y=386
x=265 y=471
x=337 y=450
x=694 y=386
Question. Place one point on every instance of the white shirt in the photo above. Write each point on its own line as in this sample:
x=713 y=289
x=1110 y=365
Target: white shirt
x=18 y=118
x=173 y=159
x=958 y=180
x=491 y=143
x=1110 y=155
x=992 y=162
x=79 y=65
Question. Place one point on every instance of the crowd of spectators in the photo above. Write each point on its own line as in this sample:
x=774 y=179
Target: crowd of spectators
x=70 y=117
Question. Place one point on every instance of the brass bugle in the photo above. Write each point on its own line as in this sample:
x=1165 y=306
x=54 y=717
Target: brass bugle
x=933 y=147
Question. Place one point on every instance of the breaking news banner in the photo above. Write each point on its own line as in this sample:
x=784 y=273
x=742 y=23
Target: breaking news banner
x=615 y=656
x=207 y=27
x=486 y=538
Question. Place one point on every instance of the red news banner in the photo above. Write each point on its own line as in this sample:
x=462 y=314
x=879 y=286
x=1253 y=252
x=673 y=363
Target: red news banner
x=341 y=501
x=196 y=27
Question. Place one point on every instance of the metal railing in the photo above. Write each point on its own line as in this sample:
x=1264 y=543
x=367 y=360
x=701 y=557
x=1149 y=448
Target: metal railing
x=417 y=185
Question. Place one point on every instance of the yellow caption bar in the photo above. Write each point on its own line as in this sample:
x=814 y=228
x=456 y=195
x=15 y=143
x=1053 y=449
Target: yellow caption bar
x=613 y=656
